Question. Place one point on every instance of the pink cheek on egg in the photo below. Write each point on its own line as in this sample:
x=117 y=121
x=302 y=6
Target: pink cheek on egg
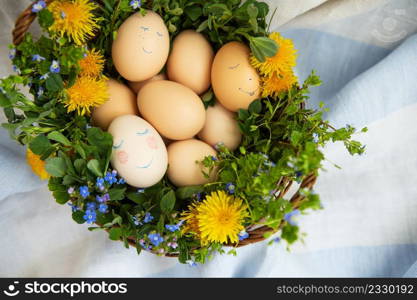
x=152 y=142
x=122 y=157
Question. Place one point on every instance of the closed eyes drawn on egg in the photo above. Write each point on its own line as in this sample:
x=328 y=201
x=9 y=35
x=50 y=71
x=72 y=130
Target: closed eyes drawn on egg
x=143 y=132
x=146 y=51
x=118 y=146
x=234 y=67
x=159 y=34
x=248 y=92
x=144 y=28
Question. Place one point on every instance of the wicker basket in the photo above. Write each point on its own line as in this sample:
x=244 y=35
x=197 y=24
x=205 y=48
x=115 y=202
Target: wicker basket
x=256 y=232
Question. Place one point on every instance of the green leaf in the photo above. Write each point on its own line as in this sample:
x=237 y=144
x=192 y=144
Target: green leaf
x=290 y=233
x=45 y=18
x=115 y=233
x=292 y=109
x=56 y=166
x=203 y=26
x=68 y=162
x=54 y=83
x=208 y=96
x=168 y=202
x=79 y=165
x=61 y=197
x=78 y=216
x=189 y=191
x=218 y=10
x=252 y=11
x=54 y=184
x=80 y=150
x=160 y=224
x=94 y=166
x=59 y=137
x=263 y=47
x=4 y=101
x=296 y=137
x=40 y=145
x=138 y=198
x=194 y=12
x=68 y=180
x=117 y=194
x=99 y=138
x=255 y=107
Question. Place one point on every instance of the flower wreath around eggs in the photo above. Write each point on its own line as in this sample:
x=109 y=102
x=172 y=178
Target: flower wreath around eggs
x=178 y=127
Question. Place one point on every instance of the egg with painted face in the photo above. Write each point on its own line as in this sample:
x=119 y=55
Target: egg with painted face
x=235 y=82
x=139 y=153
x=141 y=47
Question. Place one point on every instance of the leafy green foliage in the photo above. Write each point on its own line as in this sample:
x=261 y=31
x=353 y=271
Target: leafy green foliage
x=168 y=202
x=220 y=21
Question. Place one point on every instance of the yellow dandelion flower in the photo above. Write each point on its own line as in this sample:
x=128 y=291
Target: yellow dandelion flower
x=74 y=19
x=190 y=220
x=219 y=218
x=37 y=165
x=86 y=93
x=277 y=83
x=285 y=59
x=92 y=64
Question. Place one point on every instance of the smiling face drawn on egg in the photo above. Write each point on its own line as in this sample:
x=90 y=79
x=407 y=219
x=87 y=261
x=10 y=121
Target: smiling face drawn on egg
x=141 y=47
x=148 y=39
x=139 y=153
x=148 y=141
x=242 y=90
x=235 y=82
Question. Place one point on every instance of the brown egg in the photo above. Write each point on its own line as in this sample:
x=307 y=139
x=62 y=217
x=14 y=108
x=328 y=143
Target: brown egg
x=235 y=82
x=122 y=102
x=174 y=110
x=221 y=127
x=190 y=61
x=137 y=86
x=184 y=163
x=141 y=47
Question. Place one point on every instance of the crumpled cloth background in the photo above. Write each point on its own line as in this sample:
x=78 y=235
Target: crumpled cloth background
x=366 y=53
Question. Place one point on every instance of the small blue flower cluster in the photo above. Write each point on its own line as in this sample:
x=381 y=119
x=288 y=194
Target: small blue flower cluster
x=191 y=263
x=12 y=53
x=100 y=203
x=37 y=58
x=243 y=235
x=230 y=188
x=174 y=228
x=109 y=179
x=135 y=4
x=38 y=6
x=92 y=208
x=155 y=240
x=16 y=69
x=289 y=217
x=147 y=219
x=55 y=67
x=74 y=207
